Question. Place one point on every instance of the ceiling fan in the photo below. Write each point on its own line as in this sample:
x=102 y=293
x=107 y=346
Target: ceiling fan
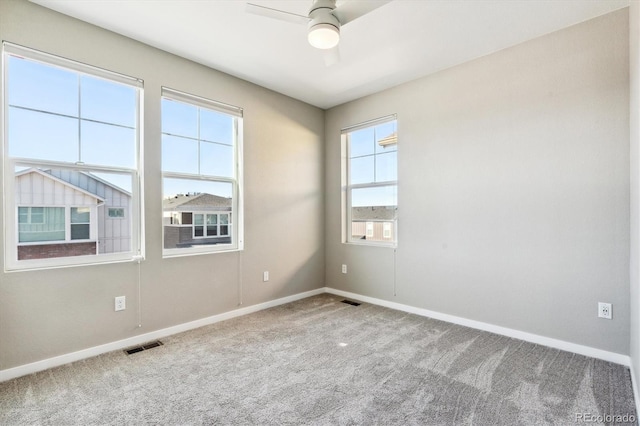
x=323 y=21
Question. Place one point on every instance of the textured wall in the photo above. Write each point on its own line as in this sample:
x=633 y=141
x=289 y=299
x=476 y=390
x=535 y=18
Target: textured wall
x=48 y=313
x=513 y=188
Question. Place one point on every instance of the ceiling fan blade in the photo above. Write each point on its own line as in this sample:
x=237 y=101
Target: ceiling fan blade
x=350 y=10
x=277 y=14
x=331 y=56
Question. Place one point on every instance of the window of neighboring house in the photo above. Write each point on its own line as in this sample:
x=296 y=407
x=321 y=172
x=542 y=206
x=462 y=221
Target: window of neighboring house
x=201 y=167
x=386 y=230
x=370 y=151
x=71 y=153
x=369 y=230
x=116 y=213
x=211 y=225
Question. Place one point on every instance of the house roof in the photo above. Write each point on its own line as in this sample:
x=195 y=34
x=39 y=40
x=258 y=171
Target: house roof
x=62 y=181
x=373 y=213
x=187 y=202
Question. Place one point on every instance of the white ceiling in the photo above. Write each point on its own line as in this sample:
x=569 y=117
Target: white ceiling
x=397 y=42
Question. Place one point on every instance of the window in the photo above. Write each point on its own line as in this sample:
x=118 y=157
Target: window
x=371 y=182
x=116 y=213
x=201 y=167
x=72 y=161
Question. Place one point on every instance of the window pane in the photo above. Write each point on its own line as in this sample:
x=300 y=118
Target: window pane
x=80 y=215
x=224 y=229
x=116 y=213
x=216 y=159
x=224 y=219
x=108 y=102
x=361 y=142
x=179 y=118
x=187 y=196
x=216 y=127
x=52 y=228
x=362 y=170
x=42 y=87
x=378 y=196
x=42 y=136
x=179 y=155
x=107 y=145
x=80 y=231
x=37 y=215
x=386 y=137
x=387 y=167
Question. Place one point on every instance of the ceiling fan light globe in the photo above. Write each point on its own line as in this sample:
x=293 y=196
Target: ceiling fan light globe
x=324 y=36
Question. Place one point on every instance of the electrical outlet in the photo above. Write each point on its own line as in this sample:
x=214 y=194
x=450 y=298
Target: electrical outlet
x=121 y=303
x=344 y=269
x=265 y=276
x=604 y=310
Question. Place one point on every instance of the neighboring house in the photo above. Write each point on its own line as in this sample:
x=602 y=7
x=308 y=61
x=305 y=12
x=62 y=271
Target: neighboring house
x=196 y=219
x=67 y=213
x=373 y=223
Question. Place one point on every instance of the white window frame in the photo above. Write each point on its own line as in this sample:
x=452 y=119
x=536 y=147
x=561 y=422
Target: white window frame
x=10 y=164
x=347 y=188
x=237 y=230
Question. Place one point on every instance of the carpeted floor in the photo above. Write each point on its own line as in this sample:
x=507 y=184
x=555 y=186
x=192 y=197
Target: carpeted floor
x=319 y=361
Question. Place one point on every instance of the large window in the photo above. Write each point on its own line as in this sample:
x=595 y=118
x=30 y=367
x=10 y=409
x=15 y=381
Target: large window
x=371 y=182
x=71 y=159
x=201 y=166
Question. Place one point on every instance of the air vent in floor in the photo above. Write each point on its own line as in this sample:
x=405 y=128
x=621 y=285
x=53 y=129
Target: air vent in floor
x=349 y=302
x=144 y=347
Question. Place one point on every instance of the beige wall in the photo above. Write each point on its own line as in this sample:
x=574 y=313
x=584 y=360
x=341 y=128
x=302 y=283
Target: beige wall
x=513 y=188
x=49 y=313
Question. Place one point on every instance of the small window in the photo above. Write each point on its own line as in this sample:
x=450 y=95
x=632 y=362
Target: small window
x=80 y=223
x=116 y=213
x=201 y=167
x=371 y=182
x=369 y=230
x=386 y=230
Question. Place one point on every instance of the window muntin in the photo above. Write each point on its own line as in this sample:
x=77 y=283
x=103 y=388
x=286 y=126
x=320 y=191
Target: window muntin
x=201 y=146
x=371 y=182
x=72 y=139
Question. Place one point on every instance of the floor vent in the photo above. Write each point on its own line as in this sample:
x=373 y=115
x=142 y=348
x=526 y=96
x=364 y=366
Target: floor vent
x=349 y=302
x=144 y=347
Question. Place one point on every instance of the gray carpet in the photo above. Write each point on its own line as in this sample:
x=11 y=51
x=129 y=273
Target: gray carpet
x=319 y=361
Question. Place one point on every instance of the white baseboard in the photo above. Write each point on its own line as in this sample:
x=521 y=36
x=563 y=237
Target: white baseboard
x=45 y=364
x=509 y=332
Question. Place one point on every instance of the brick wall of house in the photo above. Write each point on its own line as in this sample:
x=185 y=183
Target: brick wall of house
x=46 y=251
